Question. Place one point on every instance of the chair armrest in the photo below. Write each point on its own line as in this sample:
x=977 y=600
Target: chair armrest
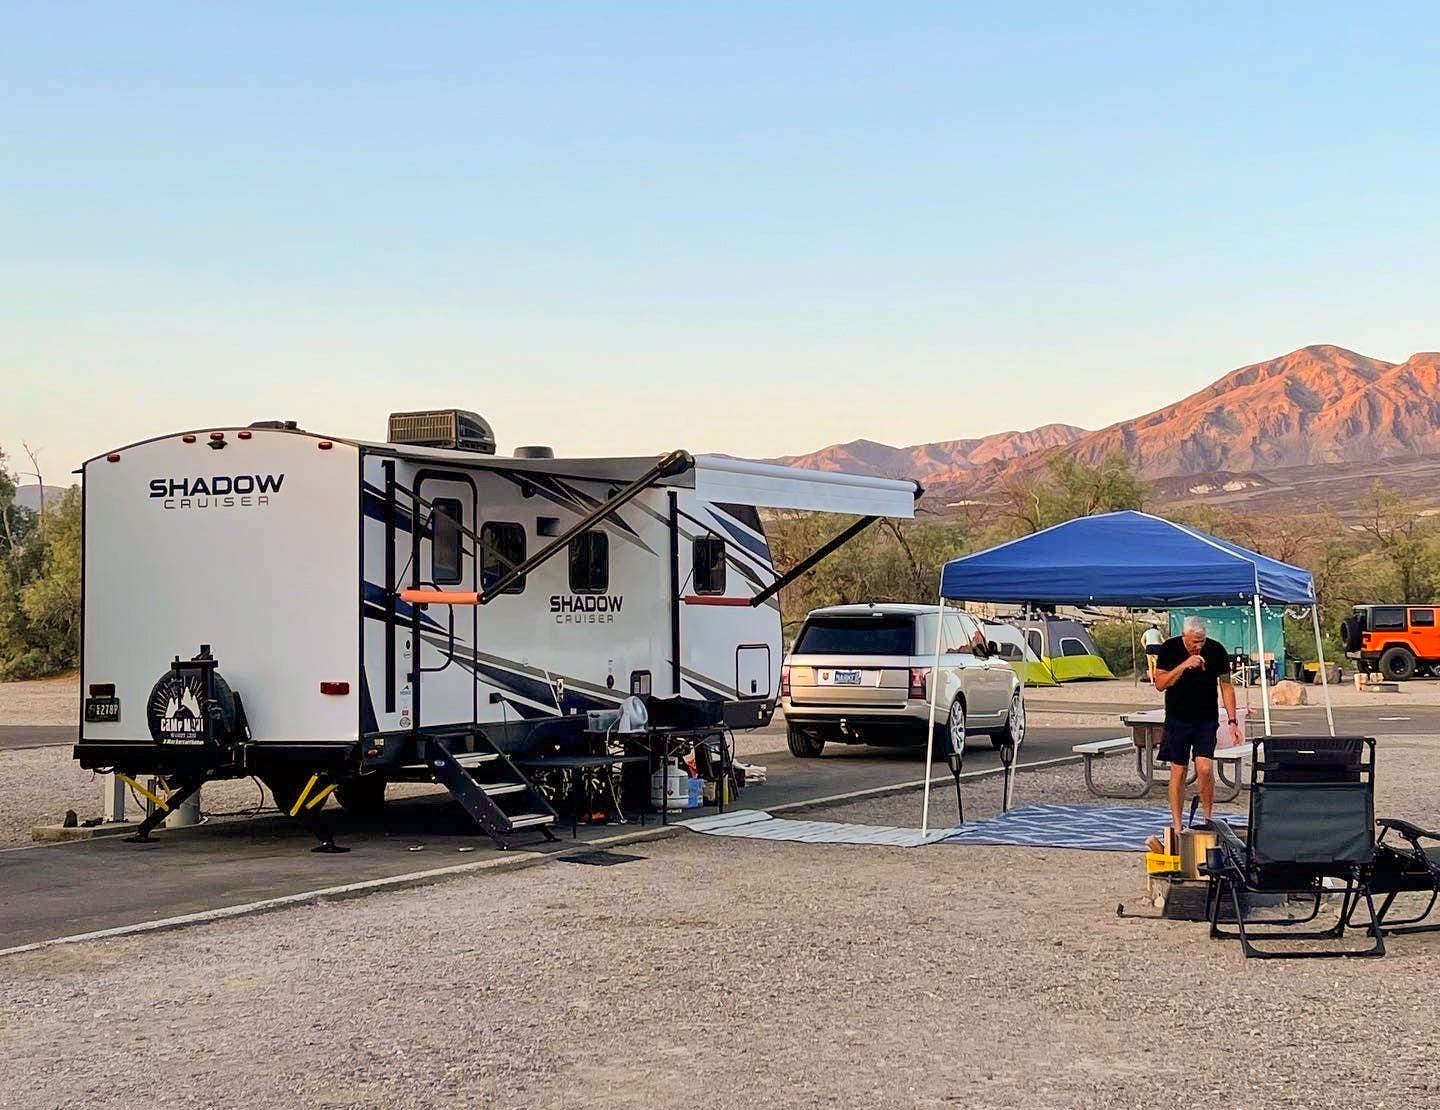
x=1406 y=829
x=1229 y=842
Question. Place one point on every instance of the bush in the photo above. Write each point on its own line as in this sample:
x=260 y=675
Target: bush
x=1115 y=640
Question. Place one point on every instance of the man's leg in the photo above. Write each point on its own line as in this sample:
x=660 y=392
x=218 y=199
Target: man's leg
x=1177 y=794
x=1205 y=780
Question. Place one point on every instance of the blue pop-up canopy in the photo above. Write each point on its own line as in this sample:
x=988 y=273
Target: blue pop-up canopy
x=1124 y=558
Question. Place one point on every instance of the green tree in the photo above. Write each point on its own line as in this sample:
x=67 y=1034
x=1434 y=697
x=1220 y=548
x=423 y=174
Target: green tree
x=51 y=600
x=1401 y=535
x=1069 y=488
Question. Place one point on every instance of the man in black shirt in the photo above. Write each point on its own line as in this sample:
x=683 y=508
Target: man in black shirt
x=1194 y=672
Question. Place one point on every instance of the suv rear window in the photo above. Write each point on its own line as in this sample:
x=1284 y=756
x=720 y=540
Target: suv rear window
x=857 y=636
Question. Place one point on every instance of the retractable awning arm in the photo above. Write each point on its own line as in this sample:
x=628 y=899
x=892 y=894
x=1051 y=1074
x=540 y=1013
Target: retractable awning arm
x=667 y=466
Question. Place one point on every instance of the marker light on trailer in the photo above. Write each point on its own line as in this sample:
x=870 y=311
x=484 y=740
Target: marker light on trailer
x=243 y=434
x=187 y=439
x=325 y=445
x=217 y=436
x=112 y=458
x=334 y=687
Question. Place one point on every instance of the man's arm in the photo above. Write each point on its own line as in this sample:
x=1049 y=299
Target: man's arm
x=1166 y=679
x=1227 y=695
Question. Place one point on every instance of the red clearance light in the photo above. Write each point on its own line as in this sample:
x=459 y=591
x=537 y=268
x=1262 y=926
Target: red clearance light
x=217 y=435
x=244 y=435
x=112 y=458
x=325 y=445
x=187 y=439
x=334 y=687
x=102 y=689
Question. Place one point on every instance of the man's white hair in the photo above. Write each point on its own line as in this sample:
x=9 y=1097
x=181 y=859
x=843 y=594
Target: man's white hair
x=1196 y=626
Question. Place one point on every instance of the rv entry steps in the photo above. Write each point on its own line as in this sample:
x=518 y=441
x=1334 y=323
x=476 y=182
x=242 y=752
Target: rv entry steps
x=490 y=789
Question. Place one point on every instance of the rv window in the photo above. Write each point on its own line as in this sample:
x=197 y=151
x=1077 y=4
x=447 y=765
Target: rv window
x=502 y=548
x=445 y=519
x=590 y=563
x=709 y=565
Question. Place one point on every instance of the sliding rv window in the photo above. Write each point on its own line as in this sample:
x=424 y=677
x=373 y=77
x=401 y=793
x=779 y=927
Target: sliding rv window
x=502 y=547
x=709 y=565
x=590 y=563
x=445 y=519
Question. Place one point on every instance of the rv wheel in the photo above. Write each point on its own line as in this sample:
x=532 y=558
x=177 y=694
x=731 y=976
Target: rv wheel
x=803 y=745
x=363 y=796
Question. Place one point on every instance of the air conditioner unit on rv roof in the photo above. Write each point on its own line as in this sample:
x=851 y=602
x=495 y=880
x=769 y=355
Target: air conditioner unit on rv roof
x=452 y=428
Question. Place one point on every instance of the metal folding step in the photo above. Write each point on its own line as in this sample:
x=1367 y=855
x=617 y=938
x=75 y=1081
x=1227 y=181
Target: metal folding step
x=502 y=801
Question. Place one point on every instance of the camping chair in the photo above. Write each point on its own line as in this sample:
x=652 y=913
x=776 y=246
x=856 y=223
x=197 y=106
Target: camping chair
x=1408 y=869
x=1312 y=818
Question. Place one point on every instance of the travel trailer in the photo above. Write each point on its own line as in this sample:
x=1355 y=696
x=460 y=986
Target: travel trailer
x=331 y=615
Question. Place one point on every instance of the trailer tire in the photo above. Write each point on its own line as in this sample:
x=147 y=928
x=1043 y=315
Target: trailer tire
x=1397 y=664
x=1351 y=633
x=803 y=744
x=362 y=796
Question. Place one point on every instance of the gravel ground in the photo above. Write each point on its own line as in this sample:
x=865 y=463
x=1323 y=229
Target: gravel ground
x=715 y=972
x=47 y=701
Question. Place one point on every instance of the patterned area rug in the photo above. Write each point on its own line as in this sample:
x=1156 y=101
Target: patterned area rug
x=1097 y=828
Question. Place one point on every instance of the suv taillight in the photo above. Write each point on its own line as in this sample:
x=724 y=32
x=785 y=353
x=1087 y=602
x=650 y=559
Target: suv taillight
x=785 y=681
x=918 y=678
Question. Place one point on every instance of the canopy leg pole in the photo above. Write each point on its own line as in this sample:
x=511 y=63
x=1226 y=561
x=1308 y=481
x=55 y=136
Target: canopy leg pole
x=1134 y=667
x=1320 y=654
x=930 y=732
x=1264 y=678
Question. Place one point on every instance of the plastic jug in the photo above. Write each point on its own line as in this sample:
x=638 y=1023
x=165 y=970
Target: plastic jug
x=697 y=793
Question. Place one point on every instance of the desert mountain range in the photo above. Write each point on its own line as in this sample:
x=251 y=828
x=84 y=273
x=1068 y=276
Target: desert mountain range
x=1318 y=406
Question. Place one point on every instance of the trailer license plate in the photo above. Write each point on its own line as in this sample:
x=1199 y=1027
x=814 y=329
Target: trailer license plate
x=847 y=678
x=102 y=710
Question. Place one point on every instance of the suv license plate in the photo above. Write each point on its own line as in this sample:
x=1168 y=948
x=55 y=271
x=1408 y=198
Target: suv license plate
x=102 y=710
x=847 y=678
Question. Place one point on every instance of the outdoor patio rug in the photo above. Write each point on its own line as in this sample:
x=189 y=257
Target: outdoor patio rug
x=1098 y=828
x=756 y=824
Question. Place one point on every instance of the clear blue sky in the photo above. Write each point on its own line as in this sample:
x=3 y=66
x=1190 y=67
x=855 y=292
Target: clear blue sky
x=756 y=228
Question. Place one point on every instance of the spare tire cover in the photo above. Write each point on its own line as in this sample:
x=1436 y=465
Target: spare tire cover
x=177 y=718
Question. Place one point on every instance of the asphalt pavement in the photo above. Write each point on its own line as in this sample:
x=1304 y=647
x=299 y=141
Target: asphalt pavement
x=14 y=737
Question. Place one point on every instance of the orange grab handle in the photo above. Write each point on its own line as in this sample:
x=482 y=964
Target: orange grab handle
x=438 y=597
x=701 y=599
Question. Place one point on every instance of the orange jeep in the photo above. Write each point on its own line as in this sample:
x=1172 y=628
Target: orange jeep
x=1396 y=640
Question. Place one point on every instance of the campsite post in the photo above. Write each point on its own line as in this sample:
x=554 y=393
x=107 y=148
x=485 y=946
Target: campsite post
x=930 y=732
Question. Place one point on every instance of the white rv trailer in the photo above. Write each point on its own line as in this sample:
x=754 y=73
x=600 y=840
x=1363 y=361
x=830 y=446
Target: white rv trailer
x=380 y=611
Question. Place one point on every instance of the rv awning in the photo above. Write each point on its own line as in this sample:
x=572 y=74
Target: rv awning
x=1124 y=558
x=767 y=486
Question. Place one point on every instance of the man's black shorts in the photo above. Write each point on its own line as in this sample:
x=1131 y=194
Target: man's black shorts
x=1183 y=740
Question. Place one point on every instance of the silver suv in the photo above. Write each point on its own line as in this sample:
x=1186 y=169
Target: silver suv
x=861 y=674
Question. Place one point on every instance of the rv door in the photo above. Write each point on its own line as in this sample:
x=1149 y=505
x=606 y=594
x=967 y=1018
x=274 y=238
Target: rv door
x=440 y=640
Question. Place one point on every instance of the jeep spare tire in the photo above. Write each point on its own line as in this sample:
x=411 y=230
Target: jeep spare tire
x=1351 y=633
x=1397 y=664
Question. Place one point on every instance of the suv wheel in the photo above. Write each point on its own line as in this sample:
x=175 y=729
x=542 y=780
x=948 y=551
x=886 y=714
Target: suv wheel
x=803 y=745
x=1397 y=664
x=1013 y=733
x=950 y=736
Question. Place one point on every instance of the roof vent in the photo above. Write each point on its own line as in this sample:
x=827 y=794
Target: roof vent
x=454 y=429
x=534 y=452
x=278 y=425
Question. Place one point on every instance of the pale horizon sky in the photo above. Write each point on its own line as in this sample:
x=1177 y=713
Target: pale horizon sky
x=757 y=229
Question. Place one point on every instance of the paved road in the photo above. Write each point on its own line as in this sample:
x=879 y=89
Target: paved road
x=64 y=889
x=35 y=736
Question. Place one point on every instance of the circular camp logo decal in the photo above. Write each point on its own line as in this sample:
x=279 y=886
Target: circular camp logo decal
x=174 y=712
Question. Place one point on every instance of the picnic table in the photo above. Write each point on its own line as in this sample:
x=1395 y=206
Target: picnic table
x=1146 y=728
